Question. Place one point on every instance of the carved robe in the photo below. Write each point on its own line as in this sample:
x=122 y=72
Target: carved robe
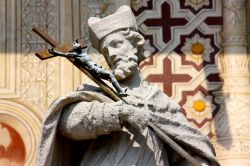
x=90 y=115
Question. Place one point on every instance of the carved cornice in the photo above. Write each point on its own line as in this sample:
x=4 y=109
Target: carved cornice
x=235 y=39
x=234 y=65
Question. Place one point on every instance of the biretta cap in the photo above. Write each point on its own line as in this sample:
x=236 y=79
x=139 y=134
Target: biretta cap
x=99 y=28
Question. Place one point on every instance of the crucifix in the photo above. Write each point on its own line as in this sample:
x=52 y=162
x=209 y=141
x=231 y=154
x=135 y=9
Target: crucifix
x=43 y=55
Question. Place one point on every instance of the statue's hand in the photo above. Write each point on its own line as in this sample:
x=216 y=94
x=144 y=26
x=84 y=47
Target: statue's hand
x=137 y=117
x=51 y=50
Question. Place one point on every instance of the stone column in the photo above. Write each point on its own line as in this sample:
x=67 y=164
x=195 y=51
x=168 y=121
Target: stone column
x=231 y=125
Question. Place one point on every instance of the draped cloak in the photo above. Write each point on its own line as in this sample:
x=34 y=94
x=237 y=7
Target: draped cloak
x=127 y=146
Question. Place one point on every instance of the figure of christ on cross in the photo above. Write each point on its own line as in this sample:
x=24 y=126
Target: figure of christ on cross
x=85 y=60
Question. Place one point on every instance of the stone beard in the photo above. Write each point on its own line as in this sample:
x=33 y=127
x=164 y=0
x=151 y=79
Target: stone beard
x=123 y=48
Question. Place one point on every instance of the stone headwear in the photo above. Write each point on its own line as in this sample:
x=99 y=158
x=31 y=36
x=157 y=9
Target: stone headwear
x=99 y=28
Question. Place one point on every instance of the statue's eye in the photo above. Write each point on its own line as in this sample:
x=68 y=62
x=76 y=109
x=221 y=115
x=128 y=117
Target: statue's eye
x=116 y=43
x=104 y=51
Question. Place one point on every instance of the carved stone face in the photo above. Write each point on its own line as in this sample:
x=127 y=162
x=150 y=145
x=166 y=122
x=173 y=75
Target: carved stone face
x=120 y=54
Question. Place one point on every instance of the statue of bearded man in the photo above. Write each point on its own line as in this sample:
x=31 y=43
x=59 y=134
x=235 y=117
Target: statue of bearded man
x=87 y=127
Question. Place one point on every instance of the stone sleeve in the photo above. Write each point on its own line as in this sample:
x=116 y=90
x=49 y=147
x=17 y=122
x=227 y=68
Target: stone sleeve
x=88 y=120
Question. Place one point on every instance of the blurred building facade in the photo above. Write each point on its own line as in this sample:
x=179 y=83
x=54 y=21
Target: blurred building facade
x=199 y=58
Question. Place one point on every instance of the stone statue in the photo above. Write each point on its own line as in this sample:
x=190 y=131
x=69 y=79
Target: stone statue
x=87 y=127
x=86 y=61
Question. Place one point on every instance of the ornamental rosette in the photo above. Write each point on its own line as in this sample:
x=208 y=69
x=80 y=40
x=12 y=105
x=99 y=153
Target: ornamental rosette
x=199 y=107
x=197 y=49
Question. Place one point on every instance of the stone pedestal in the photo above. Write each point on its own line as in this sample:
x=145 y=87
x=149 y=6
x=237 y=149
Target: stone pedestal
x=232 y=124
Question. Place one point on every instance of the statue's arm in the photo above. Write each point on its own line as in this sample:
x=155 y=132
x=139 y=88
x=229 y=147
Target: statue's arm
x=63 y=54
x=88 y=120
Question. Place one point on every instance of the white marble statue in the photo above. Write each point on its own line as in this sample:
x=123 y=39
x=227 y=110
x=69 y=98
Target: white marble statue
x=87 y=127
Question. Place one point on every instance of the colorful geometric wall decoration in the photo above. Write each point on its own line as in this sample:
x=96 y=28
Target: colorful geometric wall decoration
x=185 y=37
